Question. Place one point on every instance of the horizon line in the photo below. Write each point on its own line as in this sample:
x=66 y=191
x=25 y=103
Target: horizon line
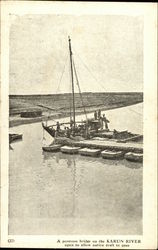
x=78 y=93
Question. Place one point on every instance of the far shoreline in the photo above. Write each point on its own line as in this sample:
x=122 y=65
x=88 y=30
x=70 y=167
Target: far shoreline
x=21 y=121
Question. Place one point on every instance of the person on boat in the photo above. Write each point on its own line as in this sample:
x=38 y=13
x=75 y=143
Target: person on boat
x=58 y=126
x=99 y=114
x=82 y=130
x=68 y=132
x=101 y=122
x=65 y=131
x=87 y=134
x=77 y=129
x=71 y=123
x=95 y=115
x=80 y=127
x=106 y=121
x=73 y=131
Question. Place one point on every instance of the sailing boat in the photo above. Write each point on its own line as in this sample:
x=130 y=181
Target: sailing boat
x=82 y=128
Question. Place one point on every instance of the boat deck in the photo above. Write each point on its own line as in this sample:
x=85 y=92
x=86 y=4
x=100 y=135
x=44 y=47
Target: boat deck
x=104 y=134
x=110 y=144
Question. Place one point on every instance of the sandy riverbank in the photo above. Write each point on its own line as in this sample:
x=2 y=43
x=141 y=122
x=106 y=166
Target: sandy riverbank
x=17 y=120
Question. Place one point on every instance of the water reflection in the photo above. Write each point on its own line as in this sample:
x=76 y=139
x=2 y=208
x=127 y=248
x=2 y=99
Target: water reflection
x=77 y=172
x=70 y=194
x=133 y=165
x=73 y=159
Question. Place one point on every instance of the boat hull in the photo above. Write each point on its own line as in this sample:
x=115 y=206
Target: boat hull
x=52 y=148
x=130 y=156
x=69 y=150
x=49 y=130
x=89 y=152
x=106 y=154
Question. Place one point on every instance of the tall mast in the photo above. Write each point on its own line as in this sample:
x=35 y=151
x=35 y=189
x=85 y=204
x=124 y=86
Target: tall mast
x=72 y=80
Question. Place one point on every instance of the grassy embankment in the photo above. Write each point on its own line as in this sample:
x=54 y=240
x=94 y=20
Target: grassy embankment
x=58 y=106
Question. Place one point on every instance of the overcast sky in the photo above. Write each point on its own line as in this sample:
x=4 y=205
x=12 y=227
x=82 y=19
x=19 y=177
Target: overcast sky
x=110 y=46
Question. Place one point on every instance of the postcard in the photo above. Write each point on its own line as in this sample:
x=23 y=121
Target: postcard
x=78 y=125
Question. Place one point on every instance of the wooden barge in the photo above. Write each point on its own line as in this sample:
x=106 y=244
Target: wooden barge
x=103 y=145
x=107 y=149
x=30 y=114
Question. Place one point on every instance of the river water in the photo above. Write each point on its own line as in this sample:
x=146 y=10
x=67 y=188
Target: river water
x=54 y=193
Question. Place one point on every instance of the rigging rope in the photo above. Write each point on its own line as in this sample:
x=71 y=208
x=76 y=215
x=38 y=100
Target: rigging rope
x=89 y=71
x=61 y=75
x=77 y=81
x=43 y=137
x=60 y=82
x=108 y=97
x=135 y=112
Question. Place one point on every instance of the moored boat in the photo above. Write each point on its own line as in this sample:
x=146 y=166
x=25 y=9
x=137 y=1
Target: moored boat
x=14 y=137
x=69 y=150
x=89 y=152
x=88 y=128
x=84 y=128
x=52 y=148
x=107 y=154
x=130 y=156
x=50 y=130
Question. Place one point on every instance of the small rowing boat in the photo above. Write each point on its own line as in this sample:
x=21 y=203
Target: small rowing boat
x=107 y=154
x=69 y=150
x=130 y=156
x=89 y=152
x=14 y=137
x=52 y=148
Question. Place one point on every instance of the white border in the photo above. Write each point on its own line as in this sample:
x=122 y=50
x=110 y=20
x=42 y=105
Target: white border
x=149 y=11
